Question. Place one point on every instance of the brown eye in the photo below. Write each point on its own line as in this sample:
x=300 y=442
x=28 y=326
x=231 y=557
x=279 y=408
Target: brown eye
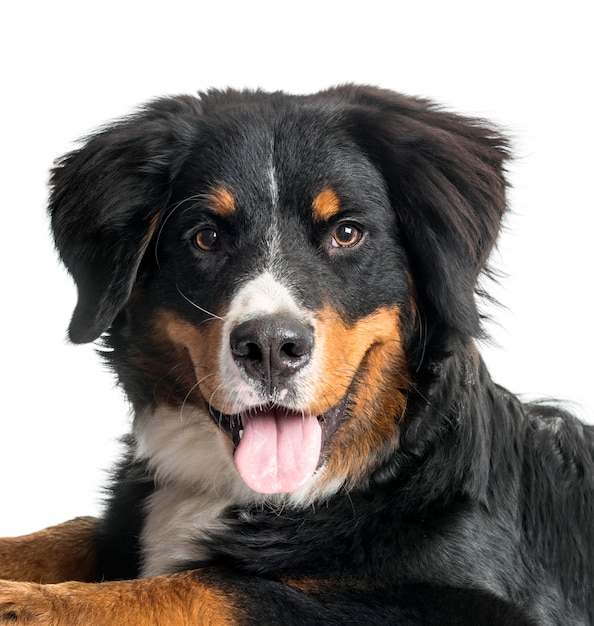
x=207 y=239
x=346 y=236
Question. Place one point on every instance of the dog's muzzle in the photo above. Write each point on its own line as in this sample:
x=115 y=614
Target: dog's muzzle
x=277 y=446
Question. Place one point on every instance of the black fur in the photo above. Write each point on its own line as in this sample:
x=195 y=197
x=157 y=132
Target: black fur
x=485 y=512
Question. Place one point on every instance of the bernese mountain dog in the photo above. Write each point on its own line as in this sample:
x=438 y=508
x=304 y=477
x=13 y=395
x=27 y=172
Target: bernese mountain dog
x=286 y=289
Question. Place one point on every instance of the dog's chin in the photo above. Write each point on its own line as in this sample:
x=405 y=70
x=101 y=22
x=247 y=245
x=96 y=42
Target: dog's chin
x=277 y=449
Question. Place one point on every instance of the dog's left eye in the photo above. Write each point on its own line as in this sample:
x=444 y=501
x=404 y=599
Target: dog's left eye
x=346 y=236
x=207 y=239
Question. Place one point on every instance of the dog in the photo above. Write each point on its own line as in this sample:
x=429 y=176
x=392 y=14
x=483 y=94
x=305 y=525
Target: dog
x=286 y=288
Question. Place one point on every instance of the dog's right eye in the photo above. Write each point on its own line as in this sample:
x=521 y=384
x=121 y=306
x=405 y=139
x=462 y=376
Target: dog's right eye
x=207 y=239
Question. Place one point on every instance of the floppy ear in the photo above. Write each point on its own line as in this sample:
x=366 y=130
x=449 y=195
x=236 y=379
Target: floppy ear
x=445 y=176
x=105 y=200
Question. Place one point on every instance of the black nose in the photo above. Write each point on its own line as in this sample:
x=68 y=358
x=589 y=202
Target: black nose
x=271 y=349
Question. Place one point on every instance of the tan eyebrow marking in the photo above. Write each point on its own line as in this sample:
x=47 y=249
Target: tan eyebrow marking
x=221 y=201
x=325 y=205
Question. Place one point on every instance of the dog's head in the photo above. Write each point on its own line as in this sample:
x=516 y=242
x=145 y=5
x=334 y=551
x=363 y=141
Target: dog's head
x=278 y=263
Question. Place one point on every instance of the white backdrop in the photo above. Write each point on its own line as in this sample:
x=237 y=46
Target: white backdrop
x=69 y=66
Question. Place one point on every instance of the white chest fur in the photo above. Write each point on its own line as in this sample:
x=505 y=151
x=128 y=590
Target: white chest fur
x=196 y=482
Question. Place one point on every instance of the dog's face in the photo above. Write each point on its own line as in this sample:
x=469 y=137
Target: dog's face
x=278 y=279
x=270 y=260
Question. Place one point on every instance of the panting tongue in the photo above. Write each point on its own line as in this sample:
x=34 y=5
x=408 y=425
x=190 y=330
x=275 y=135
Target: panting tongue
x=279 y=450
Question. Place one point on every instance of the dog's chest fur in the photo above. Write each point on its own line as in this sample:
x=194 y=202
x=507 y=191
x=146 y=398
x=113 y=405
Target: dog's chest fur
x=196 y=482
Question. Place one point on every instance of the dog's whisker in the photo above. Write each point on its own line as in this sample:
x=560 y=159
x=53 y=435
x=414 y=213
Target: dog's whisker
x=183 y=295
x=195 y=386
x=170 y=212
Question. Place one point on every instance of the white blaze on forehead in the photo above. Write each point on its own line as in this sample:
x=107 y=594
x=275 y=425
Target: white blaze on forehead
x=272 y=183
x=273 y=244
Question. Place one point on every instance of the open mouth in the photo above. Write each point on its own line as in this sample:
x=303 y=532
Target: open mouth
x=277 y=450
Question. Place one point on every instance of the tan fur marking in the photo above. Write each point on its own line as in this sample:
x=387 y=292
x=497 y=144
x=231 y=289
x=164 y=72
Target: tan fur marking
x=175 y=600
x=198 y=346
x=138 y=285
x=56 y=554
x=313 y=585
x=151 y=232
x=325 y=205
x=368 y=357
x=221 y=201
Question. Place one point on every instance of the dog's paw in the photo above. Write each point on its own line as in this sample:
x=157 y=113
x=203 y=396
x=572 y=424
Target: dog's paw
x=25 y=604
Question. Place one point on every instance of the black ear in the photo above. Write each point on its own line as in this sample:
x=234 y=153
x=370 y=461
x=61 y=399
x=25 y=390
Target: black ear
x=105 y=200
x=445 y=176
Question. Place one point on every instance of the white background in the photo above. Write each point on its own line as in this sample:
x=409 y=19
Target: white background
x=68 y=67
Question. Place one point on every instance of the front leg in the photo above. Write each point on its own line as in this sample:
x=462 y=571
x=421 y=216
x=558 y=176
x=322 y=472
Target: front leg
x=175 y=600
x=217 y=597
x=55 y=554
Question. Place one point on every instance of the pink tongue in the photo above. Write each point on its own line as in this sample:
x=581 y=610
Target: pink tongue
x=279 y=450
